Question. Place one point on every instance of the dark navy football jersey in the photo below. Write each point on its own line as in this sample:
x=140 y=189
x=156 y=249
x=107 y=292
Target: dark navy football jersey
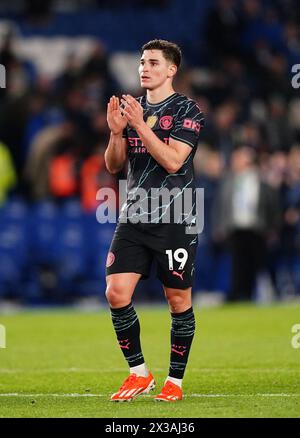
x=176 y=117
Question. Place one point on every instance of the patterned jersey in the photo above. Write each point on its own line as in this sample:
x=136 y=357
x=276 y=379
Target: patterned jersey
x=153 y=194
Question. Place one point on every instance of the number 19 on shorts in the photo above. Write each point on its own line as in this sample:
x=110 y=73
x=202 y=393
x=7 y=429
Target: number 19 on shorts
x=180 y=256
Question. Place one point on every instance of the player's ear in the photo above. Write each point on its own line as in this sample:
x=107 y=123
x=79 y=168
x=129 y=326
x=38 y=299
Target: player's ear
x=172 y=70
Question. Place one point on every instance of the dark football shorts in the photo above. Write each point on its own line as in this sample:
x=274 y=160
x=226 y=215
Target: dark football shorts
x=134 y=247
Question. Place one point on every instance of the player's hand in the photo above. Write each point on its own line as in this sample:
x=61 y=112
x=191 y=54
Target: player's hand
x=133 y=111
x=115 y=119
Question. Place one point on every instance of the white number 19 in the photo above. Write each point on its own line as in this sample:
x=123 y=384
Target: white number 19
x=180 y=255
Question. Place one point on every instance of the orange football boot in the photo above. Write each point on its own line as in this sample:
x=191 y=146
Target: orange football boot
x=133 y=386
x=170 y=392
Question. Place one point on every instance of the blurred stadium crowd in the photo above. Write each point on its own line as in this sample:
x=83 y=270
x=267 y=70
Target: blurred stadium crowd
x=64 y=59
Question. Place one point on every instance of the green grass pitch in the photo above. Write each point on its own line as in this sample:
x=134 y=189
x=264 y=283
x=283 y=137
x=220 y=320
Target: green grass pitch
x=64 y=363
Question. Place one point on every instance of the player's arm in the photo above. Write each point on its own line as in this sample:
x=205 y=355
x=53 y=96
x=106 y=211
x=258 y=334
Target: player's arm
x=116 y=152
x=172 y=156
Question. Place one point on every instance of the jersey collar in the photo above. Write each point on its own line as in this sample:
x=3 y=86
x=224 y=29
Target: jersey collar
x=168 y=99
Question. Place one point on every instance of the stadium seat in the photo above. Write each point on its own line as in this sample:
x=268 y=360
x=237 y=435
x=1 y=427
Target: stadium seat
x=100 y=236
x=14 y=250
x=70 y=249
x=15 y=210
x=43 y=232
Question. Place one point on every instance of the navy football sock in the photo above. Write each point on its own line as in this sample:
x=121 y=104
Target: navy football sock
x=182 y=333
x=127 y=328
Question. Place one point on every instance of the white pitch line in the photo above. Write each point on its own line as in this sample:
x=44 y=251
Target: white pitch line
x=120 y=370
x=17 y=394
x=244 y=395
x=60 y=370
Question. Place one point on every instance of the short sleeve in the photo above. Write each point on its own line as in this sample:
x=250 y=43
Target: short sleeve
x=188 y=123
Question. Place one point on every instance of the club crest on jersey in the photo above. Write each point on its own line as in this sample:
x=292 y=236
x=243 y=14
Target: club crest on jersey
x=110 y=259
x=166 y=122
x=151 y=121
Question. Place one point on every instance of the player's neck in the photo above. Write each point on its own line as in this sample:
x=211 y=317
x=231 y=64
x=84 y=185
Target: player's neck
x=158 y=95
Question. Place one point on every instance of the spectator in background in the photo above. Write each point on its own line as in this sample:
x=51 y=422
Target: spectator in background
x=277 y=125
x=292 y=41
x=94 y=176
x=43 y=149
x=8 y=177
x=224 y=20
x=208 y=166
x=274 y=170
x=13 y=119
x=20 y=73
x=250 y=133
x=20 y=77
x=290 y=236
x=277 y=78
x=245 y=212
x=70 y=75
x=42 y=112
x=97 y=82
x=64 y=165
x=294 y=119
x=222 y=136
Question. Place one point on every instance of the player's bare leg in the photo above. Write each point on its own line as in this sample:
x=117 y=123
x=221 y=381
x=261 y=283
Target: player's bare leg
x=119 y=292
x=120 y=288
x=182 y=333
x=179 y=300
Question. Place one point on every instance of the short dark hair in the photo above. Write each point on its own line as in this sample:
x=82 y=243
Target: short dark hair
x=171 y=51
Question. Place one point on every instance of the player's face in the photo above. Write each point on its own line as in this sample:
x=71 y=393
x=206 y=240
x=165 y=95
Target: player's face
x=155 y=70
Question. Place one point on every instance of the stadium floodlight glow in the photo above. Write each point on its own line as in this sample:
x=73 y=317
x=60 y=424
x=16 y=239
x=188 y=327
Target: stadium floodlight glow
x=2 y=76
x=2 y=336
